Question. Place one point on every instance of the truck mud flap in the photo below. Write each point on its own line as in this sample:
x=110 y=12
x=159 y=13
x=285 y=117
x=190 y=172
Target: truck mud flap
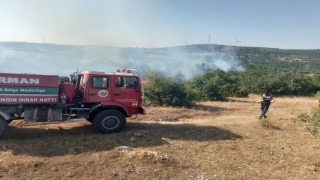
x=5 y=115
x=142 y=111
x=43 y=114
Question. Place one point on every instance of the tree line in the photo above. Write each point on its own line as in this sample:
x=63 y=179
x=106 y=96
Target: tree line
x=216 y=85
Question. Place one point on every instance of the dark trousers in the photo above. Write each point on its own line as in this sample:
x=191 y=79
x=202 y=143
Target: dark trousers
x=264 y=109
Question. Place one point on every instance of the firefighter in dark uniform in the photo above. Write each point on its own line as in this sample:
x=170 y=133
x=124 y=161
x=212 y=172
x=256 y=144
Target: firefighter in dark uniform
x=266 y=100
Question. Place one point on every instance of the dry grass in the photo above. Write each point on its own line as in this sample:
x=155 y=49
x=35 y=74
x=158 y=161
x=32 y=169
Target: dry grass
x=213 y=140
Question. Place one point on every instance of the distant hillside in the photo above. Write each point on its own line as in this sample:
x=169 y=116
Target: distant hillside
x=191 y=60
x=302 y=60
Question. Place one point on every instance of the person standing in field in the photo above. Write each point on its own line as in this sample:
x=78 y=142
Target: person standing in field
x=265 y=101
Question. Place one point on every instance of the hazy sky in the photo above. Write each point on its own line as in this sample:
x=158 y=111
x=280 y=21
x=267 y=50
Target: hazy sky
x=287 y=24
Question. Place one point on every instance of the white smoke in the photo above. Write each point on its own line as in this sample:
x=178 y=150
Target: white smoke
x=63 y=60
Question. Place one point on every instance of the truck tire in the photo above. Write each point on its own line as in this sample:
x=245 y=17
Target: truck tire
x=3 y=125
x=109 y=121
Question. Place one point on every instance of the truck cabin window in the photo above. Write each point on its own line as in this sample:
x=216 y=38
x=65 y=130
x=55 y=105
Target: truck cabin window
x=100 y=82
x=126 y=82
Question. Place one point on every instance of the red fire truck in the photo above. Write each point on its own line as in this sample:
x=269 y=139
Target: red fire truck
x=104 y=99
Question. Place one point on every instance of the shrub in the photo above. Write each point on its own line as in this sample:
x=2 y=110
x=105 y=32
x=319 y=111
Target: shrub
x=317 y=94
x=205 y=87
x=312 y=122
x=165 y=91
x=211 y=92
x=193 y=95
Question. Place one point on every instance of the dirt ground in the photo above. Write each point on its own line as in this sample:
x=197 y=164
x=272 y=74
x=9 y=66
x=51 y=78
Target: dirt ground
x=212 y=140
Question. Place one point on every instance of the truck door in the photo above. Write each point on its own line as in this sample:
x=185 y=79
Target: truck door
x=98 y=89
x=127 y=92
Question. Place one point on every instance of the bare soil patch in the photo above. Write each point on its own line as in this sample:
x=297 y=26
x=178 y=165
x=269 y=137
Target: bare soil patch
x=212 y=140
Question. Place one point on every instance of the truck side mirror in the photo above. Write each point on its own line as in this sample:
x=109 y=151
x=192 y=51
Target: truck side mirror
x=135 y=84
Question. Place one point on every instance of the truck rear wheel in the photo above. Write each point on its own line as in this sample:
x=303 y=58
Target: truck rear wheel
x=109 y=121
x=3 y=125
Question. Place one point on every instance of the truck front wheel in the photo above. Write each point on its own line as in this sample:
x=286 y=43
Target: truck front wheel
x=3 y=125
x=109 y=121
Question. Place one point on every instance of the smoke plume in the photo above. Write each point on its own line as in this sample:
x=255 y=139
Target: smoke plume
x=54 y=59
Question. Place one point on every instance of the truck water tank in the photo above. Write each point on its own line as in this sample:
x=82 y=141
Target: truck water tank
x=68 y=89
